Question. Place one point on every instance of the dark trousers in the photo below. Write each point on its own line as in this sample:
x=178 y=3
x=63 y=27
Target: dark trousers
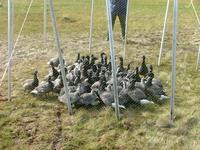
x=122 y=20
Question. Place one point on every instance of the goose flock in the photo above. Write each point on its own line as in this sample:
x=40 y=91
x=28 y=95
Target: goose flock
x=90 y=83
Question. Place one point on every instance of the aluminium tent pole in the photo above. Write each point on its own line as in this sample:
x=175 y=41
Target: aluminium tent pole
x=190 y=3
x=198 y=59
x=45 y=22
x=9 y=48
x=16 y=42
x=198 y=20
x=126 y=28
x=112 y=51
x=57 y=40
x=195 y=12
x=163 y=32
x=12 y=24
x=91 y=25
x=174 y=45
x=10 y=43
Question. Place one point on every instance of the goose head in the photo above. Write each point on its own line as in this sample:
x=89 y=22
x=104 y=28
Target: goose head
x=78 y=57
x=123 y=84
x=132 y=85
x=149 y=82
x=102 y=57
x=137 y=76
x=121 y=61
x=49 y=79
x=94 y=68
x=143 y=81
x=151 y=68
x=79 y=74
x=90 y=79
x=105 y=60
x=102 y=54
x=103 y=85
x=109 y=66
x=137 y=70
x=51 y=85
x=35 y=72
x=35 y=78
x=94 y=92
x=109 y=88
x=88 y=58
x=102 y=73
x=150 y=73
x=143 y=59
x=82 y=58
x=51 y=64
x=128 y=67
x=93 y=59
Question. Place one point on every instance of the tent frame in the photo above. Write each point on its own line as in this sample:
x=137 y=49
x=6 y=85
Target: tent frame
x=10 y=44
x=112 y=51
x=113 y=62
x=11 y=48
x=198 y=20
x=60 y=55
x=174 y=47
x=164 y=31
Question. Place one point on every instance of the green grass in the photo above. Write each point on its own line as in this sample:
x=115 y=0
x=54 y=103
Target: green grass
x=31 y=123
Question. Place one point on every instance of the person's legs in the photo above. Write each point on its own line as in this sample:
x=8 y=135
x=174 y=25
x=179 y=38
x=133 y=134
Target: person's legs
x=114 y=16
x=122 y=19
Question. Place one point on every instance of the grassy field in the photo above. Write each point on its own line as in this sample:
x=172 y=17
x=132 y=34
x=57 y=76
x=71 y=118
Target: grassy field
x=31 y=123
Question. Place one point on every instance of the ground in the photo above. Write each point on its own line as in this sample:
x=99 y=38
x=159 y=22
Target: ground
x=31 y=123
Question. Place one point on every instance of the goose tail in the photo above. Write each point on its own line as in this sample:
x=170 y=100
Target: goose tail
x=61 y=99
x=163 y=98
x=146 y=102
x=34 y=92
x=120 y=106
x=24 y=85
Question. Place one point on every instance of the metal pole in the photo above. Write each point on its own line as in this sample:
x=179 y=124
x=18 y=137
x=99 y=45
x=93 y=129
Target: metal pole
x=10 y=21
x=16 y=42
x=190 y=3
x=198 y=20
x=126 y=28
x=172 y=101
x=57 y=40
x=91 y=26
x=112 y=51
x=198 y=58
x=12 y=47
x=163 y=32
x=195 y=12
x=45 y=22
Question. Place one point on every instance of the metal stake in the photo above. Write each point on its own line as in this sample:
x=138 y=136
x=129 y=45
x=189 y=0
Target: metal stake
x=163 y=32
x=172 y=101
x=198 y=59
x=91 y=26
x=57 y=40
x=112 y=51
x=126 y=29
x=45 y=22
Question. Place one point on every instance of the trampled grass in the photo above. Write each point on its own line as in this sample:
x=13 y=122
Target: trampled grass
x=31 y=123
